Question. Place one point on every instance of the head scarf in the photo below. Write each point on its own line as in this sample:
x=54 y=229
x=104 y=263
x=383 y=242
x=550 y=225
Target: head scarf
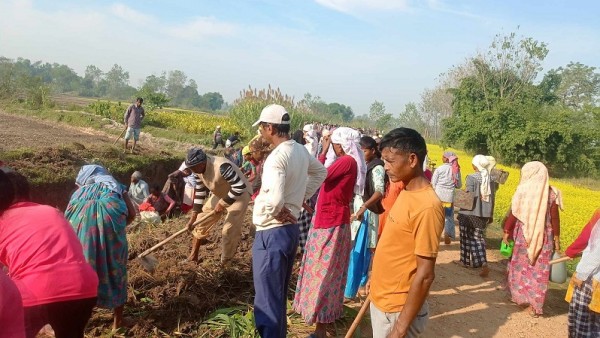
x=453 y=160
x=93 y=173
x=492 y=163
x=349 y=139
x=530 y=204
x=195 y=156
x=246 y=150
x=481 y=163
x=137 y=175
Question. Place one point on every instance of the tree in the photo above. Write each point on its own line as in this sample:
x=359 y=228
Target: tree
x=436 y=105
x=156 y=84
x=410 y=118
x=378 y=115
x=211 y=101
x=579 y=85
x=341 y=111
x=117 y=81
x=175 y=83
x=94 y=74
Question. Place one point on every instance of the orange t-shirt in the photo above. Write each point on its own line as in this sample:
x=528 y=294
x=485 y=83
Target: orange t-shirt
x=413 y=227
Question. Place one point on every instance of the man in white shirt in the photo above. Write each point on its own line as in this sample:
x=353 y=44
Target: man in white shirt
x=138 y=190
x=290 y=176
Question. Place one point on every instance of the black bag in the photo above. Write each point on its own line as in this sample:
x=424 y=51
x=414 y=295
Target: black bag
x=370 y=189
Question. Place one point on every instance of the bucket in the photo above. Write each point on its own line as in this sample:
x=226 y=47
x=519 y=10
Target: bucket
x=506 y=250
x=558 y=271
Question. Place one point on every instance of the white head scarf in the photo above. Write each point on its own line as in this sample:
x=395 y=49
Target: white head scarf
x=349 y=139
x=481 y=163
x=492 y=163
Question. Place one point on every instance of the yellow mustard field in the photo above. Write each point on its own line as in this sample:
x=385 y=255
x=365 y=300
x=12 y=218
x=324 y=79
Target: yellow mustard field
x=579 y=203
x=192 y=122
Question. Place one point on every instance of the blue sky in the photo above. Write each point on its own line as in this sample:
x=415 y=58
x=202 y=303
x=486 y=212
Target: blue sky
x=348 y=51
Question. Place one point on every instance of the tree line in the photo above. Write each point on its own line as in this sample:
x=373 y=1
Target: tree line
x=37 y=79
x=496 y=102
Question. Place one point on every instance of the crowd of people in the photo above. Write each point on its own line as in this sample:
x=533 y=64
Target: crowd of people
x=361 y=209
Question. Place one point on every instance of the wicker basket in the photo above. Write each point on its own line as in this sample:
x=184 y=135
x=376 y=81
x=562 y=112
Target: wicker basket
x=499 y=176
x=464 y=200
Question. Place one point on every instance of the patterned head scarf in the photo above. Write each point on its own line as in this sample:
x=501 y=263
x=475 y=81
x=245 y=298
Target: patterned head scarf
x=530 y=204
x=481 y=163
x=453 y=160
x=349 y=139
x=93 y=173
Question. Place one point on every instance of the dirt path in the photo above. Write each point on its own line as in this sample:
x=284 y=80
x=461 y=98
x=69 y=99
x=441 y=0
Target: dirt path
x=466 y=305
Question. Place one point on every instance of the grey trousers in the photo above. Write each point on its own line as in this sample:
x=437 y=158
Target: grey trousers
x=383 y=322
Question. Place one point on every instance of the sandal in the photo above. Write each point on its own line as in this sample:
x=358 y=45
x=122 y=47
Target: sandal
x=461 y=264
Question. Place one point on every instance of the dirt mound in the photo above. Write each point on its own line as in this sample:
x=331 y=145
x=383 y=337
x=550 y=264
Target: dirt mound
x=176 y=297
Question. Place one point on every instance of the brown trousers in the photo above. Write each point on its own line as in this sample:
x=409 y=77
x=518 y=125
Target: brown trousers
x=232 y=228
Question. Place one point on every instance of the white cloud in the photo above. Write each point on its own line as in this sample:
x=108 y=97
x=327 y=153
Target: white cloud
x=439 y=6
x=202 y=27
x=131 y=15
x=355 y=6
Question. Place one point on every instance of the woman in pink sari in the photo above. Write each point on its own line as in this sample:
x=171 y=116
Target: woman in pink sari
x=534 y=224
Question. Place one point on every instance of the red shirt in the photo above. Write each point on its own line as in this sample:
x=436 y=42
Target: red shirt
x=335 y=196
x=44 y=256
x=582 y=240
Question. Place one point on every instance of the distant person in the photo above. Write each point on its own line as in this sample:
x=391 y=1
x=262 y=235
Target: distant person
x=260 y=148
x=298 y=136
x=233 y=140
x=584 y=291
x=472 y=223
x=229 y=191
x=392 y=190
x=218 y=138
x=310 y=138
x=46 y=262
x=184 y=178
x=404 y=263
x=161 y=202
x=138 y=190
x=99 y=211
x=534 y=224
x=133 y=119
x=446 y=178
x=290 y=177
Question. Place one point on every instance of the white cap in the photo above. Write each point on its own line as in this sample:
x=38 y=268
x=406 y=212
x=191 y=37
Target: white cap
x=272 y=113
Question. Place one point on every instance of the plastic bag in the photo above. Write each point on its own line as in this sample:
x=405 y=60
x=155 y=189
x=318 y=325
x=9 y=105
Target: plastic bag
x=150 y=217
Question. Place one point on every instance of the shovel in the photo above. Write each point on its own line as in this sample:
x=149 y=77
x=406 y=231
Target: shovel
x=120 y=135
x=148 y=261
x=359 y=316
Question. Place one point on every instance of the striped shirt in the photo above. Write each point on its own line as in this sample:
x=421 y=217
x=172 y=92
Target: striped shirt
x=238 y=187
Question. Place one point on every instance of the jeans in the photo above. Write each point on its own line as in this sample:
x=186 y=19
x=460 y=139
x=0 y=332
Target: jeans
x=273 y=254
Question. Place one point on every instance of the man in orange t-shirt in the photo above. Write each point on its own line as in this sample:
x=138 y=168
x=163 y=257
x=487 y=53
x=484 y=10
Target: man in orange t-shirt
x=403 y=266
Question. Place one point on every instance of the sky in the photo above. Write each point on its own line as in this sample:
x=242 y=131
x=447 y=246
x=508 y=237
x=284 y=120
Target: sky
x=348 y=51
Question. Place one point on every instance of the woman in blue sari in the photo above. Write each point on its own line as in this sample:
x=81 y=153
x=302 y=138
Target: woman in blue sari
x=99 y=211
